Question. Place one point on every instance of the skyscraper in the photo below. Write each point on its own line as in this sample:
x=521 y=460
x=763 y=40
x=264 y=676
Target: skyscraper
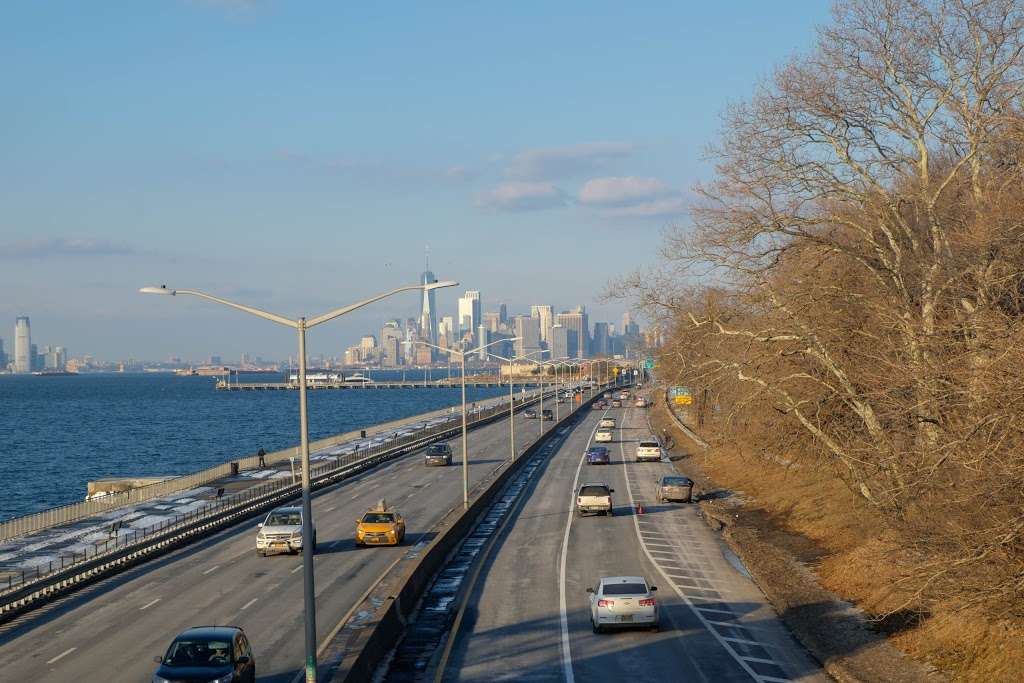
x=3 y=357
x=545 y=315
x=601 y=345
x=469 y=311
x=428 y=314
x=391 y=344
x=528 y=331
x=22 y=345
x=491 y=321
x=502 y=314
x=578 y=326
x=559 y=344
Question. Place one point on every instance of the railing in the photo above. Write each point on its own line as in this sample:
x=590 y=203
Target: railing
x=55 y=577
x=44 y=519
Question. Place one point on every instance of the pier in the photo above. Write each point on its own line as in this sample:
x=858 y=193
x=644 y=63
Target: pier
x=491 y=381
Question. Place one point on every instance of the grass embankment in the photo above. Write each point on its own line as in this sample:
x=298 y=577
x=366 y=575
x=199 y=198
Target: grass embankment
x=853 y=554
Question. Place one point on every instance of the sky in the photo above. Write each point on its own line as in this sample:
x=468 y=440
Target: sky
x=300 y=156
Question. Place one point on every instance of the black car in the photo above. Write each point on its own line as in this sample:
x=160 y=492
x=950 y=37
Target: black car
x=547 y=414
x=530 y=414
x=207 y=653
x=438 y=454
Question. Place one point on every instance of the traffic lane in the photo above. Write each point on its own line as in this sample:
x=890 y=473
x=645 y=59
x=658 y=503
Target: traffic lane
x=602 y=546
x=511 y=627
x=694 y=564
x=121 y=628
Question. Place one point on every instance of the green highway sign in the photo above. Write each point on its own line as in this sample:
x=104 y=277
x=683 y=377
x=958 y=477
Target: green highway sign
x=649 y=363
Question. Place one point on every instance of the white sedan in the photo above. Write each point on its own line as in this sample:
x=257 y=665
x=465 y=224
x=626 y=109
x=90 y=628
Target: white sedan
x=603 y=436
x=623 y=602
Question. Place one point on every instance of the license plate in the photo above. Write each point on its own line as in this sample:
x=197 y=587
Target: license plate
x=625 y=617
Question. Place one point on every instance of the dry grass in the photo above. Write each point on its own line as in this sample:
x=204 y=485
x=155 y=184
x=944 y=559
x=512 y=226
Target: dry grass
x=856 y=556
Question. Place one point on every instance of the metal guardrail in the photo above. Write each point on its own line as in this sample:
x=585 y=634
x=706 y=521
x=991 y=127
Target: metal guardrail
x=22 y=592
x=45 y=519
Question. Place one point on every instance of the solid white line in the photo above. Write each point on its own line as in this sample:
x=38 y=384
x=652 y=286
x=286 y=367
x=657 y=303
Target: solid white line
x=149 y=604
x=211 y=569
x=62 y=654
x=562 y=609
x=296 y=569
x=249 y=604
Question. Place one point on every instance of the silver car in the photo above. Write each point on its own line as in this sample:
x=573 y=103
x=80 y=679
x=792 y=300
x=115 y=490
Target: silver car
x=623 y=602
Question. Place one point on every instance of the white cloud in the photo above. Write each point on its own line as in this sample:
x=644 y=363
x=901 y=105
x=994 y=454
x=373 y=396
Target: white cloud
x=655 y=208
x=621 y=191
x=553 y=163
x=521 y=196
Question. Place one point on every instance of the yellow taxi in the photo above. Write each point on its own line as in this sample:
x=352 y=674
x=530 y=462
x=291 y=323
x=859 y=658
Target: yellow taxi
x=380 y=525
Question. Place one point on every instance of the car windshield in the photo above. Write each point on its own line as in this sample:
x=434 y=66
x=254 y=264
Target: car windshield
x=437 y=449
x=625 y=589
x=675 y=481
x=194 y=652
x=378 y=518
x=593 y=491
x=284 y=519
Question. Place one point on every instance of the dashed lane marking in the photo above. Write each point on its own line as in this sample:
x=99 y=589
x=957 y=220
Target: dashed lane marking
x=211 y=569
x=149 y=604
x=299 y=568
x=62 y=655
x=249 y=604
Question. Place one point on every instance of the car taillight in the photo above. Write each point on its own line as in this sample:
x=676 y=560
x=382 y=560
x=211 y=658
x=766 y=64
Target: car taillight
x=605 y=603
x=647 y=602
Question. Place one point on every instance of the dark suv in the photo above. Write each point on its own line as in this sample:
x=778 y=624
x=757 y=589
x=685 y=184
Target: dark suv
x=547 y=414
x=207 y=653
x=530 y=414
x=438 y=454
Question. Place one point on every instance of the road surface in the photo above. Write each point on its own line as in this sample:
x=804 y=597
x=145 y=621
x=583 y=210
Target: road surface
x=528 y=616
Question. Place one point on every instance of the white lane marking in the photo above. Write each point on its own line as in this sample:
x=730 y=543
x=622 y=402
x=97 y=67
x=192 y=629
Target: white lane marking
x=331 y=546
x=211 y=569
x=682 y=596
x=149 y=604
x=562 y=608
x=62 y=654
x=299 y=568
x=249 y=604
x=330 y=508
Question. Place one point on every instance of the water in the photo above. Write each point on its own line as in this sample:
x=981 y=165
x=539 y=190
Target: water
x=57 y=433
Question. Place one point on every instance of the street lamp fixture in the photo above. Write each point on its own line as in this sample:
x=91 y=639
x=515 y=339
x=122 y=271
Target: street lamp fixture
x=301 y=325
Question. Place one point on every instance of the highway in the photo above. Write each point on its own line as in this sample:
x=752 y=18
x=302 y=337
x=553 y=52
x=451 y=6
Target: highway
x=527 y=617
x=113 y=629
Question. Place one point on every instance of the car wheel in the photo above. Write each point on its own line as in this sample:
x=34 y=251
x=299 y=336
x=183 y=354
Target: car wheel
x=261 y=553
x=595 y=627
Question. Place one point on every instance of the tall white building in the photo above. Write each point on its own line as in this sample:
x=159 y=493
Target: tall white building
x=428 y=313
x=546 y=315
x=469 y=311
x=22 y=345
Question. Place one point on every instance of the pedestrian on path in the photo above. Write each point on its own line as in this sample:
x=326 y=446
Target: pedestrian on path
x=262 y=456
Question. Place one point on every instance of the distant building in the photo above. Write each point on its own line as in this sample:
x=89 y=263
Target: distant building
x=353 y=355
x=578 y=326
x=481 y=340
x=428 y=312
x=528 y=331
x=22 y=345
x=3 y=356
x=54 y=358
x=545 y=315
x=492 y=321
x=368 y=346
x=502 y=314
x=390 y=344
x=601 y=344
x=446 y=328
x=469 y=311
x=215 y=360
x=424 y=355
x=559 y=344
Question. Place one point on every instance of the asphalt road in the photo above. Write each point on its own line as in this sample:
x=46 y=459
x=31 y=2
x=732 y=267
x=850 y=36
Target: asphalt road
x=111 y=631
x=528 y=616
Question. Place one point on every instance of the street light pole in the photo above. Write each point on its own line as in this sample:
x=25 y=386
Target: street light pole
x=301 y=325
x=462 y=361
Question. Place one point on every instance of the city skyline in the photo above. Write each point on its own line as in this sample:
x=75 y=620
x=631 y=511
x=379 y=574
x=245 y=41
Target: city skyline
x=320 y=195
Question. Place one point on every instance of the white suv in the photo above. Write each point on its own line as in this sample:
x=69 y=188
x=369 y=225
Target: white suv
x=648 y=450
x=281 y=532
